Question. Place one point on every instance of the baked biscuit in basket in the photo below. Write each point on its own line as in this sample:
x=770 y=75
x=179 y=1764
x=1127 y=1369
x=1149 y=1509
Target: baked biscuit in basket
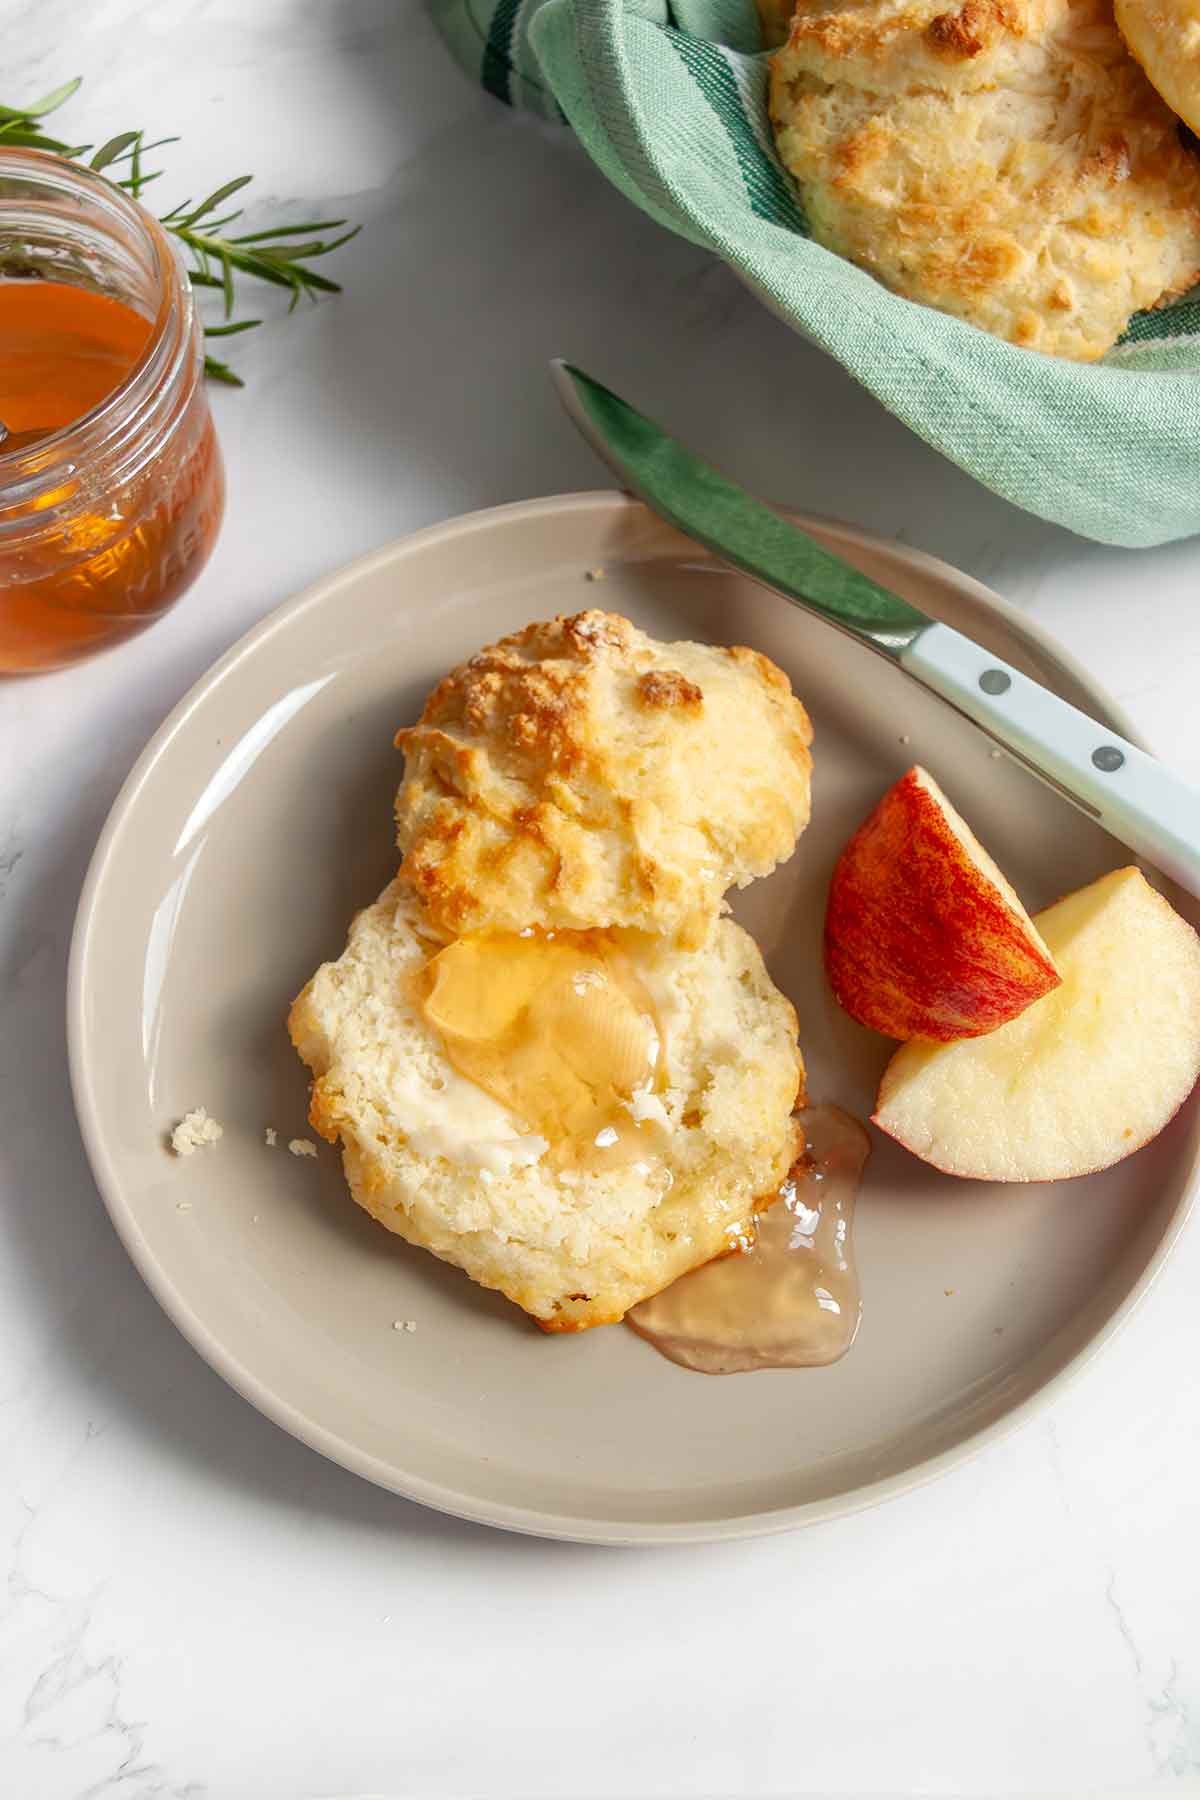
x=1164 y=35
x=1004 y=160
x=580 y=774
x=577 y=1230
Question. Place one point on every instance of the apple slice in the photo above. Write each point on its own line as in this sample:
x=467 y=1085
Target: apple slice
x=924 y=937
x=1082 y=1079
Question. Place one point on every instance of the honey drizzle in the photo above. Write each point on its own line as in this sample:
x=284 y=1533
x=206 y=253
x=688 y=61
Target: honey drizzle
x=791 y=1298
x=559 y=1030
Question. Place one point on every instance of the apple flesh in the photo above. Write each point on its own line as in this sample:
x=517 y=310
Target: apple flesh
x=924 y=937
x=1082 y=1079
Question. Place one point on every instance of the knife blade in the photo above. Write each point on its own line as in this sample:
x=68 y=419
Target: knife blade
x=1148 y=807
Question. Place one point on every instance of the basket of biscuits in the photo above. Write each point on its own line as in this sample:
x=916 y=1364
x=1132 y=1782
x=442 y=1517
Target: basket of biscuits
x=987 y=210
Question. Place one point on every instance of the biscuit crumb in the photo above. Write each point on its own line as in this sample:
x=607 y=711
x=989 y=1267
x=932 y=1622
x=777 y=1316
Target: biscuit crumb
x=183 y=1206
x=272 y=1137
x=904 y=738
x=995 y=755
x=596 y=575
x=404 y=1324
x=193 y=1131
x=302 y=1147
x=949 y=1292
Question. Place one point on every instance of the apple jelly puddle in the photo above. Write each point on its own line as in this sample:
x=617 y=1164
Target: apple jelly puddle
x=790 y=1299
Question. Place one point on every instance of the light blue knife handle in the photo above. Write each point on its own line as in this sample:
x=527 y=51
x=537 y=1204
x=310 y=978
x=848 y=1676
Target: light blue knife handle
x=1135 y=797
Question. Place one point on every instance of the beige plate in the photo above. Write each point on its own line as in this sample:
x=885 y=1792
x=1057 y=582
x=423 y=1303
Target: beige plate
x=258 y=820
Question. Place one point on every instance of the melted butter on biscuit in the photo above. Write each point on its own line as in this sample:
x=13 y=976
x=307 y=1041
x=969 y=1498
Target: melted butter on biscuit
x=558 y=1028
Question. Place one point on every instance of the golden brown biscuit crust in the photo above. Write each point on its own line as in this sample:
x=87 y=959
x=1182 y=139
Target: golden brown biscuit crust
x=580 y=774
x=1003 y=160
x=1164 y=36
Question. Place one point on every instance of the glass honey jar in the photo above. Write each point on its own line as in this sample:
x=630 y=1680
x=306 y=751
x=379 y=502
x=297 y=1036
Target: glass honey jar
x=111 y=485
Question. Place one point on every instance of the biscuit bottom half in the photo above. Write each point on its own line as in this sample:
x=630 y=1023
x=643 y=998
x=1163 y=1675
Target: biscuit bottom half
x=438 y=1160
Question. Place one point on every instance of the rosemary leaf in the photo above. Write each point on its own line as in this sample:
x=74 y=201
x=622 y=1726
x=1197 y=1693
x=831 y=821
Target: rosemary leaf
x=135 y=183
x=48 y=103
x=156 y=143
x=19 y=133
x=219 y=371
x=215 y=198
x=284 y=231
x=279 y=255
x=116 y=147
x=283 y=253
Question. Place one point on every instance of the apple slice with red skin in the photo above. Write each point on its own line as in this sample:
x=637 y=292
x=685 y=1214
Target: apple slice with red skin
x=1083 y=1078
x=924 y=937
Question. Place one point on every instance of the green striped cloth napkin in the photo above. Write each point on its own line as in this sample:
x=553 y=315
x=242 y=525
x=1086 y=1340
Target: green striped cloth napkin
x=671 y=101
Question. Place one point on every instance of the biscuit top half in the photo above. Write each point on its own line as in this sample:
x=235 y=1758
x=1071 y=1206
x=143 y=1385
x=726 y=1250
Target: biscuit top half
x=581 y=774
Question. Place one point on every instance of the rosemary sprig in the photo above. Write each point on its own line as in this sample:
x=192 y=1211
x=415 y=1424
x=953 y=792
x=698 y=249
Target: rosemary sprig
x=280 y=255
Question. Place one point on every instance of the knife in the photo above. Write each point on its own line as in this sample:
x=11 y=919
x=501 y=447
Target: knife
x=1132 y=795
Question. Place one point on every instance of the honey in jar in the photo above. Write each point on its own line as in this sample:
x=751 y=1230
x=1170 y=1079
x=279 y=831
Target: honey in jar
x=63 y=350
x=111 y=486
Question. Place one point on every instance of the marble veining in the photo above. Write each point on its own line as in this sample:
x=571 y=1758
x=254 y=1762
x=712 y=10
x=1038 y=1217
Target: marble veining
x=197 y=1606
x=72 y=1721
x=1172 y=1736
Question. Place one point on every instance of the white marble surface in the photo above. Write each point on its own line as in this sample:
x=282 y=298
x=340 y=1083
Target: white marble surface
x=196 y=1605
